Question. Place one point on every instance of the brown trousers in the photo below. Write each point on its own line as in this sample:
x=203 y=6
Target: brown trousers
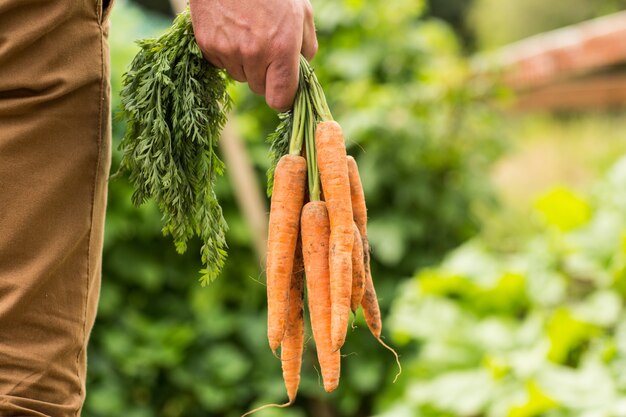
x=54 y=163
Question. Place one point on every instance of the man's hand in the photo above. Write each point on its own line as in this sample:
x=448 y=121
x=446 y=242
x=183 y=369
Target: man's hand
x=257 y=41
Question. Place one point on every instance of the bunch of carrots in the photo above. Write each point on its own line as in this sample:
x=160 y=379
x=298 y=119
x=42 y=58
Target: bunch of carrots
x=317 y=230
x=318 y=217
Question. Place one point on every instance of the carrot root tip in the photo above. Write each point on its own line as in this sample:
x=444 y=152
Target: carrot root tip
x=338 y=344
x=276 y=355
x=352 y=325
x=267 y=406
x=331 y=387
x=395 y=354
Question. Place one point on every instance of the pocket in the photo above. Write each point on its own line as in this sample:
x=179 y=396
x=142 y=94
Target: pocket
x=106 y=6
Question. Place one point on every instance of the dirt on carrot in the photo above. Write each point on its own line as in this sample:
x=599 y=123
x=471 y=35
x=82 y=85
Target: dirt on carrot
x=331 y=160
x=358 y=271
x=369 y=300
x=359 y=209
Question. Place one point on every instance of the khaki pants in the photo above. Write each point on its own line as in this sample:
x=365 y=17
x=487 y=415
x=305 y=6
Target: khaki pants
x=54 y=163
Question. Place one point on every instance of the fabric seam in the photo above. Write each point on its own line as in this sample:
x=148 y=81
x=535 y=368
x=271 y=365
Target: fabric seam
x=93 y=196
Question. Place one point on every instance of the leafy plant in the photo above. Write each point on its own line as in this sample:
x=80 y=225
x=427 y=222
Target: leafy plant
x=536 y=332
x=175 y=104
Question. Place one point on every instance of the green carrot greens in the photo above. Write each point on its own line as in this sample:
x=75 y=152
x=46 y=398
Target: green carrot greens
x=176 y=104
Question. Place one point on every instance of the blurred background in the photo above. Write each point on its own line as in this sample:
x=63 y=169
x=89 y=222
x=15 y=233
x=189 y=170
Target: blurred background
x=490 y=145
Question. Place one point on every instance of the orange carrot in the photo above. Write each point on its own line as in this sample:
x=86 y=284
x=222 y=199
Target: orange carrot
x=371 y=310
x=359 y=210
x=315 y=243
x=369 y=302
x=357 y=197
x=358 y=271
x=284 y=223
x=331 y=160
x=293 y=342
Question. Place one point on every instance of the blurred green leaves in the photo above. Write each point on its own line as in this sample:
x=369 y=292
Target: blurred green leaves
x=538 y=331
x=498 y=22
x=563 y=209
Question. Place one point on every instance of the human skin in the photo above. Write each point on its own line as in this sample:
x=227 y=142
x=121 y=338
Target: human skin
x=258 y=42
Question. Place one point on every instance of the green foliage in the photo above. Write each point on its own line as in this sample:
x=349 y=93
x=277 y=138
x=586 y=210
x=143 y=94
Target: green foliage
x=536 y=332
x=424 y=139
x=279 y=145
x=563 y=209
x=498 y=22
x=175 y=104
x=453 y=12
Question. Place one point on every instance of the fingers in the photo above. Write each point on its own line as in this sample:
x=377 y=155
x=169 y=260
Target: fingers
x=214 y=60
x=255 y=75
x=255 y=67
x=252 y=47
x=223 y=59
x=309 y=38
x=282 y=82
x=235 y=70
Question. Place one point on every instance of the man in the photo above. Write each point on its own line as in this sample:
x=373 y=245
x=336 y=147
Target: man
x=54 y=162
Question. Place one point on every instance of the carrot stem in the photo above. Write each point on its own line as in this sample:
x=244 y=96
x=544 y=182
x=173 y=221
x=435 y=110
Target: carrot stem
x=317 y=97
x=310 y=107
x=297 y=132
x=312 y=171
